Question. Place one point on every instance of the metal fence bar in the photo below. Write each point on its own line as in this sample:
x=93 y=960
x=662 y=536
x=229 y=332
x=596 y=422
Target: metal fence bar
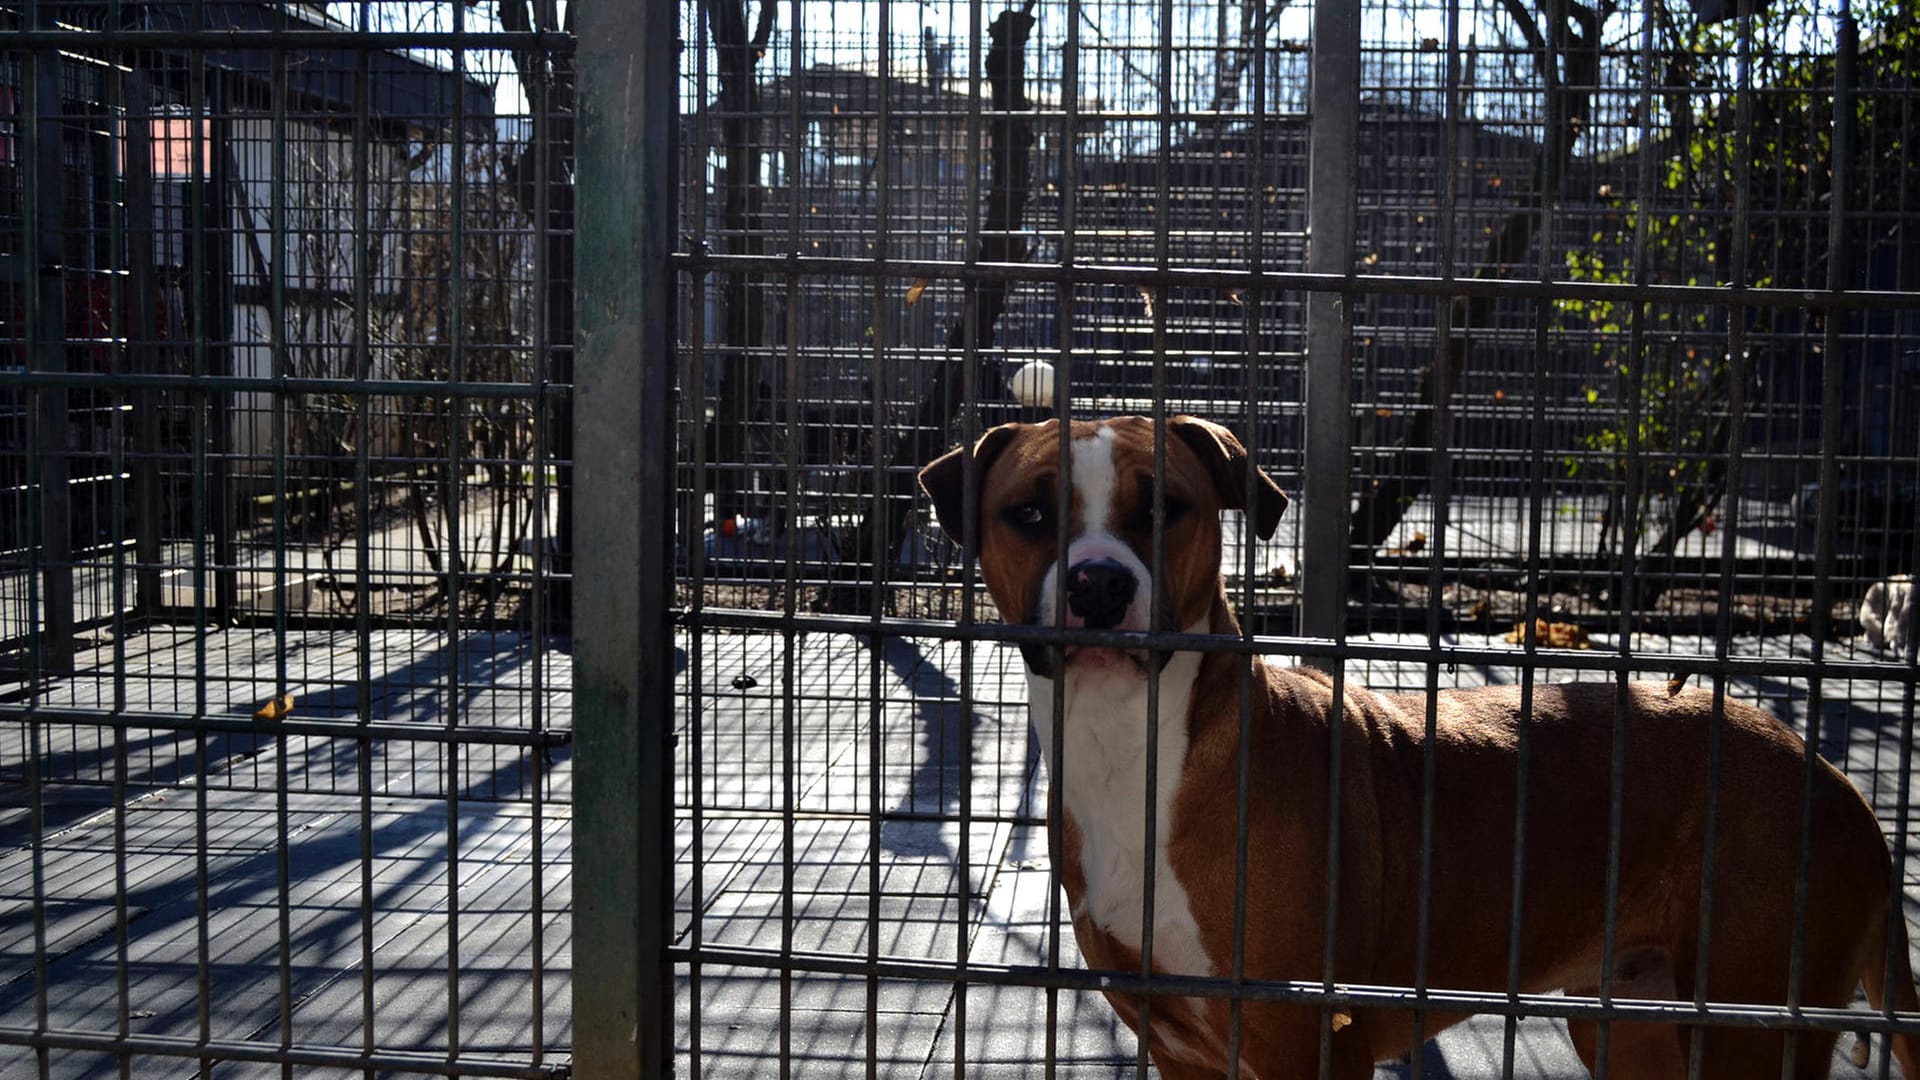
x=623 y=651
x=1310 y=281
x=47 y=347
x=1718 y=1014
x=148 y=183
x=207 y=1051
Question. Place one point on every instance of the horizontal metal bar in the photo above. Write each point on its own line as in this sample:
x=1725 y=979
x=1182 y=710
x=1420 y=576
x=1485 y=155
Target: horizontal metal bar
x=1891 y=671
x=326 y=729
x=93 y=41
x=1315 y=992
x=89 y=380
x=235 y=1050
x=711 y=812
x=1274 y=280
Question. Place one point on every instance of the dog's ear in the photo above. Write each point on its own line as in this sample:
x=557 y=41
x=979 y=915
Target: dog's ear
x=944 y=478
x=1228 y=462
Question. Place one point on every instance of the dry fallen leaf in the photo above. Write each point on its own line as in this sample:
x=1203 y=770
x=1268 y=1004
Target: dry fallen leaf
x=276 y=709
x=1554 y=635
x=1341 y=1018
x=914 y=290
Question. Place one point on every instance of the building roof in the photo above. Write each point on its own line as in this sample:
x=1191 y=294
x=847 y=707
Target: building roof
x=402 y=88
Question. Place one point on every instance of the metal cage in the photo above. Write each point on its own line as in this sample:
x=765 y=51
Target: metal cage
x=1581 y=333
x=403 y=405
x=285 y=737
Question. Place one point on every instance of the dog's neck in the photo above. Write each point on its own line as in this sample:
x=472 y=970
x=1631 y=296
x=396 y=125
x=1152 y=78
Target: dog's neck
x=1106 y=715
x=1101 y=769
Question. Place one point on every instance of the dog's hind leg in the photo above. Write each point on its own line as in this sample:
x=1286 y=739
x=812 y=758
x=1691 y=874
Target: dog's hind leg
x=1635 y=1050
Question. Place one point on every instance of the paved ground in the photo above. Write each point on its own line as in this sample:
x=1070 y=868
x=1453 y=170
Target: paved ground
x=986 y=886
x=381 y=891
x=377 y=859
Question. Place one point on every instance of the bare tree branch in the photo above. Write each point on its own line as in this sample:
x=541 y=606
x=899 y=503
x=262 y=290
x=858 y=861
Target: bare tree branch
x=763 y=31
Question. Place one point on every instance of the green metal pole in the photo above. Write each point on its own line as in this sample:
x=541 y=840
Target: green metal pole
x=623 y=535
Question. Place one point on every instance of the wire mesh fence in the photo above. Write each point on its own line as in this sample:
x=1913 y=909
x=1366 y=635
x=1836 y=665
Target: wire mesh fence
x=284 y=335
x=1585 y=337
x=1587 y=333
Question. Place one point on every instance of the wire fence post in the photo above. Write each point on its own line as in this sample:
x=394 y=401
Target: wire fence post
x=50 y=356
x=623 y=655
x=1330 y=209
x=142 y=346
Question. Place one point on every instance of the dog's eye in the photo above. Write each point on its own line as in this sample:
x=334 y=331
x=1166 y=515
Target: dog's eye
x=1173 y=508
x=1026 y=515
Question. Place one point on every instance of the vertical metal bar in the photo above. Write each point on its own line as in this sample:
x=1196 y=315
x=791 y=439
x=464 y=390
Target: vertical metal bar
x=1156 y=554
x=41 y=93
x=1832 y=418
x=362 y=361
x=48 y=345
x=1250 y=360
x=885 y=543
x=970 y=481
x=455 y=536
x=277 y=353
x=1336 y=752
x=1332 y=146
x=795 y=175
x=540 y=130
x=117 y=586
x=694 y=529
x=1063 y=411
x=623 y=654
x=197 y=403
x=213 y=175
x=37 y=840
x=1736 y=357
x=276 y=336
x=1441 y=464
x=1530 y=644
x=143 y=352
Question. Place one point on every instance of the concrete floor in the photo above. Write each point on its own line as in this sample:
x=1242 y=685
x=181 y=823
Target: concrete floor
x=386 y=882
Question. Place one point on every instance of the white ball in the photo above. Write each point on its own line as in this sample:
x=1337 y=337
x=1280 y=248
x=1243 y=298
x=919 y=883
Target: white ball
x=1032 y=384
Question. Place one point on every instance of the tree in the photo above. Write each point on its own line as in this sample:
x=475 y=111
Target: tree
x=743 y=387
x=1564 y=45
x=1780 y=148
x=1009 y=154
x=541 y=175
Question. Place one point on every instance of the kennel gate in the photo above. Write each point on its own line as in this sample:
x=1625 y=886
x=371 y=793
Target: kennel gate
x=785 y=730
x=285 y=725
x=1609 y=387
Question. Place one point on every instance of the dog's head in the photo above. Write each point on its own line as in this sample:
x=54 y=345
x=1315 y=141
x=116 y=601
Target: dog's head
x=1108 y=565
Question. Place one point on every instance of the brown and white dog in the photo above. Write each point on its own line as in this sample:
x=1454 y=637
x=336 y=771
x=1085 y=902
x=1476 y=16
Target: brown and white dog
x=1101 y=768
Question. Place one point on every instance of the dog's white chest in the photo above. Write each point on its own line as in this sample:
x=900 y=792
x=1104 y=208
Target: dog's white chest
x=1101 y=769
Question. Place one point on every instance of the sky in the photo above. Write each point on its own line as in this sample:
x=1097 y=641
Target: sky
x=1119 y=64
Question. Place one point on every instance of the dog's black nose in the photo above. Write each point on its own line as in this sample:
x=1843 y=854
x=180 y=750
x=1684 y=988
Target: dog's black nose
x=1099 y=591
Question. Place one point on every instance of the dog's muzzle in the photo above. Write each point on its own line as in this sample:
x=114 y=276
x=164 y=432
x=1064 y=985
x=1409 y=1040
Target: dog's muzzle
x=1098 y=593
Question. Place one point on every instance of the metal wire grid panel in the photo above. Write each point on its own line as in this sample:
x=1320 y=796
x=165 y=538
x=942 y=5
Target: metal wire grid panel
x=285 y=733
x=1588 y=332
